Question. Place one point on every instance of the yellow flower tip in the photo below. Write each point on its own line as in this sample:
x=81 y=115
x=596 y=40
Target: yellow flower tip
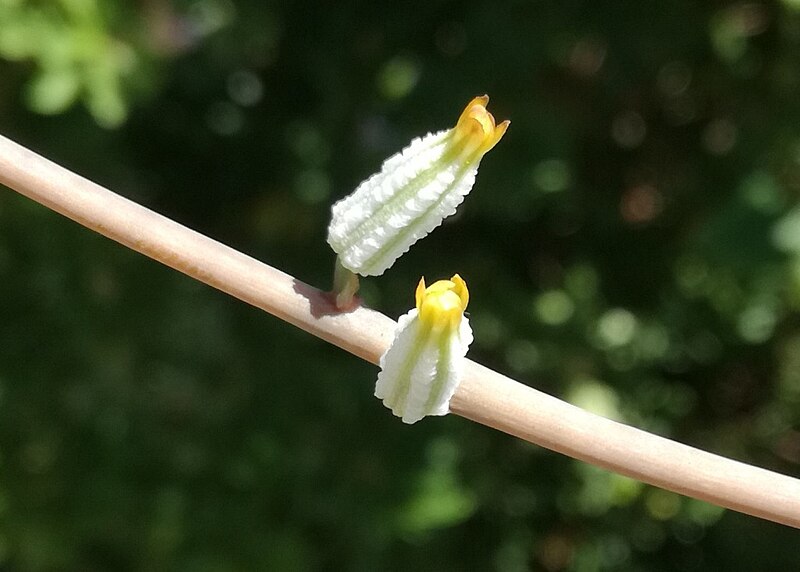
x=461 y=290
x=442 y=303
x=477 y=126
x=420 y=293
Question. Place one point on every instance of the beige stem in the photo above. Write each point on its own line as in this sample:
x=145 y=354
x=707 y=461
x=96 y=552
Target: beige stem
x=484 y=396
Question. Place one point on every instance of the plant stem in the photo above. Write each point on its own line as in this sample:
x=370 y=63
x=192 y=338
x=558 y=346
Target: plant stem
x=345 y=286
x=484 y=396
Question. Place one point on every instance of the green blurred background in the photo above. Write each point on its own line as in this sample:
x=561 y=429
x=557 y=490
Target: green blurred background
x=632 y=246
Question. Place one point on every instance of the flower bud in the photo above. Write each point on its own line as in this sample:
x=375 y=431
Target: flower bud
x=415 y=190
x=423 y=366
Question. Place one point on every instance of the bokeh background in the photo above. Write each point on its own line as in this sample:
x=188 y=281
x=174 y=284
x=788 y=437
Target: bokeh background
x=632 y=246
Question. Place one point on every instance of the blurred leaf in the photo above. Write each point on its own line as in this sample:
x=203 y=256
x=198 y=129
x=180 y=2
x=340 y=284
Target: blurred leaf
x=53 y=91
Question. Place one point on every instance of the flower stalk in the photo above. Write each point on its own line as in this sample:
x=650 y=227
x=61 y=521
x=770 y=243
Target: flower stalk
x=484 y=396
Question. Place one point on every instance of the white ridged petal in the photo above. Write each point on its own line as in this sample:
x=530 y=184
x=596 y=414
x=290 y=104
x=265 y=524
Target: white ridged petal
x=422 y=368
x=414 y=191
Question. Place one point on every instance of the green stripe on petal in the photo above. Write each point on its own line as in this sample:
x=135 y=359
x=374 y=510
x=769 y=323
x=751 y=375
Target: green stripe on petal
x=422 y=367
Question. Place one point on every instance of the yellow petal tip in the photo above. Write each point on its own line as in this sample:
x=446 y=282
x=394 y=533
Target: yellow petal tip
x=477 y=128
x=442 y=304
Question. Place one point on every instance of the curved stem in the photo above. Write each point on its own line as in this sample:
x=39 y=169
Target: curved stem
x=484 y=396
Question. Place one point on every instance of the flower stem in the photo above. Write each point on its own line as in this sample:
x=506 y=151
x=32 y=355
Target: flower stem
x=345 y=285
x=484 y=396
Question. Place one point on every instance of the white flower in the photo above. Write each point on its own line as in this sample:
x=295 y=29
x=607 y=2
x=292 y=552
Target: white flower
x=423 y=366
x=411 y=195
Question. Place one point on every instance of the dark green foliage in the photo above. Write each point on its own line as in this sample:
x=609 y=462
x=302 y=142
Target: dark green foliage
x=632 y=245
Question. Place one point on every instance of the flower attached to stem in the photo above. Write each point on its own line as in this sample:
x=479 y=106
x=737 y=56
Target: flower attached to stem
x=415 y=190
x=423 y=366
